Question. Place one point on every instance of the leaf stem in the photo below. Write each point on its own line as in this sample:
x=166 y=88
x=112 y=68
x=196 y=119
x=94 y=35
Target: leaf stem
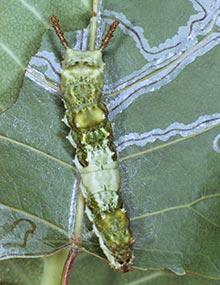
x=68 y=265
x=74 y=251
x=93 y=24
x=53 y=268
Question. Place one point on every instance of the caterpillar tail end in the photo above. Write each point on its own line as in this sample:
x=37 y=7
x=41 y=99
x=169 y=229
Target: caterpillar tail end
x=115 y=239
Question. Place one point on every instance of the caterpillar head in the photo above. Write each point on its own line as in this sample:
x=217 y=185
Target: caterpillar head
x=87 y=59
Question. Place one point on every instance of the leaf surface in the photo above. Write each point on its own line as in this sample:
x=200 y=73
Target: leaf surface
x=21 y=34
x=166 y=131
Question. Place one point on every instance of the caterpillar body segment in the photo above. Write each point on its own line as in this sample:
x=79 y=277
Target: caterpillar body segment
x=82 y=81
x=81 y=84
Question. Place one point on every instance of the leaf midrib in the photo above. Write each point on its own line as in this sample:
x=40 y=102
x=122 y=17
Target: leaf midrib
x=40 y=152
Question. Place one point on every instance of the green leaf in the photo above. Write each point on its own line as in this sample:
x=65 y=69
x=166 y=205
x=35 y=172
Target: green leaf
x=21 y=271
x=168 y=142
x=171 y=187
x=90 y=270
x=37 y=182
x=37 y=177
x=21 y=34
x=86 y=265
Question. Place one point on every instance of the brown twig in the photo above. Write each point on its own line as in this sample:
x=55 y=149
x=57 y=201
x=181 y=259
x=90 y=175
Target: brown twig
x=109 y=34
x=57 y=28
x=68 y=265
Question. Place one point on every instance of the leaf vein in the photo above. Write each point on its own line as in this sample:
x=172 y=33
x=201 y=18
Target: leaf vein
x=147 y=278
x=33 y=149
x=178 y=207
x=204 y=217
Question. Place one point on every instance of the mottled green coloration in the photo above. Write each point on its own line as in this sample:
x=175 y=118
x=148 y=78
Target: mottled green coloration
x=115 y=228
x=95 y=154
